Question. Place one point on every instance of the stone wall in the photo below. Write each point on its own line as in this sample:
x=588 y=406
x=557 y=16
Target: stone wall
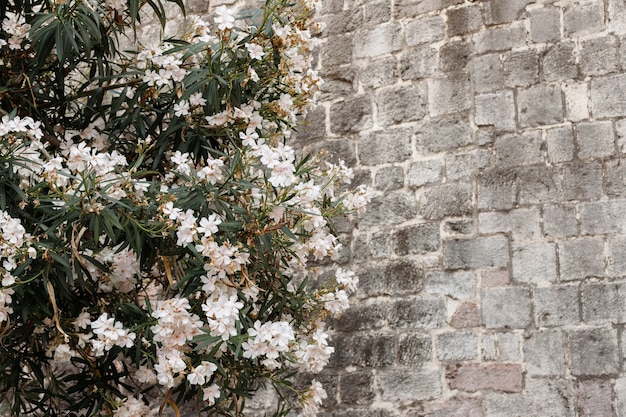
x=492 y=258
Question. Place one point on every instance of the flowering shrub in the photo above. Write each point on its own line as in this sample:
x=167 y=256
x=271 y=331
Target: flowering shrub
x=157 y=233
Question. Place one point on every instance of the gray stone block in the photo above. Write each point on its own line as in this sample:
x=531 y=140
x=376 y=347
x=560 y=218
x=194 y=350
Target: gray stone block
x=595 y=397
x=312 y=128
x=521 y=68
x=506 y=11
x=416 y=239
x=399 y=104
x=344 y=21
x=425 y=29
x=560 y=141
x=351 y=115
x=458 y=285
x=545 y=24
x=383 y=39
x=616 y=258
x=406 y=384
x=497 y=189
x=379 y=246
x=414 y=349
x=451 y=199
x=541 y=104
x=603 y=217
x=507 y=307
x=467 y=164
x=615 y=177
x=446 y=133
x=538 y=184
x=338 y=81
x=488 y=73
x=607 y=96
x=523 y=224
x=373 y=350
x=599 y=344
x=581 y=258
x=495 y=109
x=556 y=305
x=544 y=353
x=397 y=146
x=379 y=72
x=448 y=95
x=454 y=56
x=583 y=19
x=599 y=56
x=595 y=139
x=357 y=388
x=519 y=149
x=389 y=178
x=559 y=62
x=617 y=18
x=501 y=38
x=534 y=262
x=582 y=181
x=542 y=397
x=603 y=302
x=576 y=100
x=411 y=8
x=362 y=317
x=559 y=221
x=458 y=227
x=418 y=63
x=420 y=312
x=392 y=208
x=337 y=50
x=424 y=172
x=464 y=20
x=456 y=407
x=457 y=346
x=375 y=13
x=501 y=347
x=404 y=276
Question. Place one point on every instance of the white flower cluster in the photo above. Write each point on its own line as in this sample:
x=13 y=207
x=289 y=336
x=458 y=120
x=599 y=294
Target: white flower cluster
x=17 y=28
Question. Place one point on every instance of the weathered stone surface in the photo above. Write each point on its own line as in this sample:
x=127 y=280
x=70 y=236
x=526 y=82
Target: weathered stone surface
x=557 y=305
x=559 y=62
x=448 y=95
x=599 y=344
x=406 y=384
x=500 y=39
x=504 y=12
x=576 y=100
x=544 y=353
x=582 y=181
x=506 y=307
x=454 y=56
x=424 y=172
x=466 y=164
x=426 y=313
x=488 y=73
x=602 y=217
x=616 y=260
x=559 y=221
x=457 y=407
x=372 y=350
x=416 y=239
x=457 y=346
x=418 y=63
x=560 y=141
x=501 y=347
x=608 y=96
x=454 y=199
x=497 y=189
x=362 y=317
x=496 y=109
x=523 y=224
x=534 y=262
x=414 y=349
x=466 y=315
x=595 y=397
x=459 y=285
x=583 y=19
x=389 y=178
x=464 y=20
x=595 y=139
x=442 y=134
x=481 y=252
x=581 y=258
x=542 y=397
x=379 y=72
x=400 y=104
x=477 y=377
x=599 y=56
x=425 y=29
x=356 y=388
x=383 y=39
x=351 y=115
x=514 y=149
x=545 y=24
x=540 y=105
x=521 y=68
x=398 y=146
x=603 y=302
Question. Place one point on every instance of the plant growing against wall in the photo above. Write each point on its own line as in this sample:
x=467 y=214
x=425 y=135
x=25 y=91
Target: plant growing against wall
x=156 y=230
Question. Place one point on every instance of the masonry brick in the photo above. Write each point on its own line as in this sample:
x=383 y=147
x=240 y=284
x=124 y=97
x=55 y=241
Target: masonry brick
x=540 y=105
x=599 y=344
x=576 y=100
x=375 y=13
x=448 y=95
x=424 y=172
x=379 y=245
x=458 y=285
x=457 y=407
x=544 y=353
x=560 y=142
x=582 y=181
x=369 y=316
x=446 y=133
x=581 y=258
x=595 y=397
x=345 y=21
x=545 y=24
x=425 y=30
x=620 y=130
x=421 y=312
x=519 y=149
x=418 y=63
x=351 y=115
x=538 y=184
x=416 y=239
x=379 y=72
x=616 y=259
x=504 y=12
x=414 y=349
x=599 y=56
x=559 y=221
x=557 y=305
x=603 y=217
x=411 y=8
x=464 y=20
x=477 y=377
x=521 y=68
x=620 y=400
x=393 y=208
x=595 y=139
x=523 y=224
x=615 y=177
x=373 y=350
x=500 y=38
x=507 y=307
x=603 y=302
x=542 y=397
x=334 y=50
x=458 y=227
x=496 y=109
x=407 y=384
x=400 y=104
x=494 y=278
x=389 y=178
x=488 y=73
x=501 y=347
x=452 y=199
x=454 y=56
x=404 y=276
x=534 y=262
x=397 y=146
x=617 y=16
x=497 y=189
x=583 y=19
x=466 y=164
x=559 y=62
x=341 y=81
x=457 y=346
x=466 y=315
x=356 y=388
x=608 y=96
x=381 y=40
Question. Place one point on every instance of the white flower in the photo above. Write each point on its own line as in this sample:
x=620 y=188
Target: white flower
x=224 y=18
x=181 y=109
x=210 y=394
x=255 y=50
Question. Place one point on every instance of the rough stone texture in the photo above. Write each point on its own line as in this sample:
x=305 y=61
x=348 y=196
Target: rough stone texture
x=492 y=257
